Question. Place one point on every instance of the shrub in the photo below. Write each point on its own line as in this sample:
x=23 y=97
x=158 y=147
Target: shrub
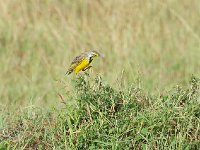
x=106 y=118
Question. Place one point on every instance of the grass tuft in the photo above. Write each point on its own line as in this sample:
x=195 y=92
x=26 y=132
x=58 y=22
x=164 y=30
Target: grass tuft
x=106 y=118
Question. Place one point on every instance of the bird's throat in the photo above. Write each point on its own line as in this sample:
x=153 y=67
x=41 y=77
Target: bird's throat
x=90 y=60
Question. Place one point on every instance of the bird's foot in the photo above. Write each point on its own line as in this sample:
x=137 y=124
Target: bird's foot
x=87 y=74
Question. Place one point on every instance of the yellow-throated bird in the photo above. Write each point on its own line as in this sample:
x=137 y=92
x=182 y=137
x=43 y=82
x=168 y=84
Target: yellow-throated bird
x=82 y=62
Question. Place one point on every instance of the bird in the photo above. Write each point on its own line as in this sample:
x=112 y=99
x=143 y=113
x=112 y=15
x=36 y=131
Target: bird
x=82 y=62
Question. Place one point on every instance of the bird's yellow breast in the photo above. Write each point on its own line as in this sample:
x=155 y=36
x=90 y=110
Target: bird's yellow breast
x=84 y=63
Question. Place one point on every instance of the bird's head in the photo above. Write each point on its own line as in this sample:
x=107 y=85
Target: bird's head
x=94 y=53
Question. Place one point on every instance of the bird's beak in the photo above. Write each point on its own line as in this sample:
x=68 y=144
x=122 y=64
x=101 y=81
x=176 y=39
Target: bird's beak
x=101 y=56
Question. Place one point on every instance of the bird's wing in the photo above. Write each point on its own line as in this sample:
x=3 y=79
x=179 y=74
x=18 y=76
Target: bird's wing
x=76 y=61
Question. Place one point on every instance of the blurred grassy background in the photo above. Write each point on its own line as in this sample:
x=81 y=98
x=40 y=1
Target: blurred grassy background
x=157 y=41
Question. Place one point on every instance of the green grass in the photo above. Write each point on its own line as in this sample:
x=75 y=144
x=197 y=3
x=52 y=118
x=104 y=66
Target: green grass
x=150 y=47
x=105 y=118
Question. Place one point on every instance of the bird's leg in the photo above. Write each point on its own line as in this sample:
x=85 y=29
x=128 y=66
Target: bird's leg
x=86 y=68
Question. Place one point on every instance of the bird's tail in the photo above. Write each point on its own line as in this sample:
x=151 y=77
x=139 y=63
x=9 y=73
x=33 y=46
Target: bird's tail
x=69 y=72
